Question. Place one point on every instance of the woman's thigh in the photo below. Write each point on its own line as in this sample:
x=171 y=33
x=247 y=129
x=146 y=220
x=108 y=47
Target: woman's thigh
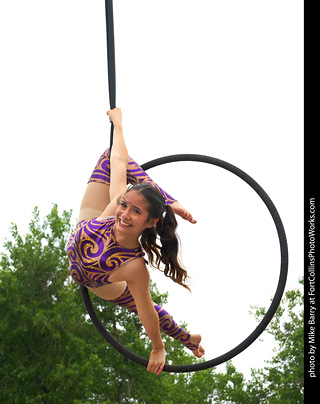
x=94 y=201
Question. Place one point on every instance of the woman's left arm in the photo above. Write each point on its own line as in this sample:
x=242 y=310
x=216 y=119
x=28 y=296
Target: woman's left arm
x=137 y=276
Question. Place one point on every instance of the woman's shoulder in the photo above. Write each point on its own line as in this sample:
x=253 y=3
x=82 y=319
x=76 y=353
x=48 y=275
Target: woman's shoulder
x=105 y=219
x=104 y=224
x=98 y=219
x=95 y=224
x=133 y=271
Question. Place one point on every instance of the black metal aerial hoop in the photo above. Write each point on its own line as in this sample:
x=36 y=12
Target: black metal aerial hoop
x=277 y=297
x=209 y=160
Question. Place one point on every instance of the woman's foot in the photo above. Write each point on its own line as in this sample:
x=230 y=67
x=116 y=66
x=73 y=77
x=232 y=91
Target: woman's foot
x=179 y=210
x=196 y=339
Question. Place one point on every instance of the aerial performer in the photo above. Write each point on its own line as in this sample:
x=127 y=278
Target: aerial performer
x=121 y=214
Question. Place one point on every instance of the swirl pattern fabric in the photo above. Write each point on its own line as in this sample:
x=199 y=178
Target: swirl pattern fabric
x=135 y=175
x=166 y=322
x=94 y=253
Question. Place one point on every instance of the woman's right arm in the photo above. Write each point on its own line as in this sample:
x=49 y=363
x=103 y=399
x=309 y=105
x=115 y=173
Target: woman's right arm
x=118 y=162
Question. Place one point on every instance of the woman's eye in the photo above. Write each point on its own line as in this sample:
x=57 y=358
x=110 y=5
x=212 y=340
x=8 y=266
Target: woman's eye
x=123 y=204
x=137 y=211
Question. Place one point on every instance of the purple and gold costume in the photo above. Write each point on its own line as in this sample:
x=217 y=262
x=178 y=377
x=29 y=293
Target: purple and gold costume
x=166 y=322
x=94 y=252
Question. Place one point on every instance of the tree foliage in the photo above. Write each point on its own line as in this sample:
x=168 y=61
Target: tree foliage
x=50 y=352
x=282 y=380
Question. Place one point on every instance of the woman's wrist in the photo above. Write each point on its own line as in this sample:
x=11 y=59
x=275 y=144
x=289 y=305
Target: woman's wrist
x=117 y=124
x=158 y=347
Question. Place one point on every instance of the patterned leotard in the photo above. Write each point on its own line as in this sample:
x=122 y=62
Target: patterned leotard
x=94 y=252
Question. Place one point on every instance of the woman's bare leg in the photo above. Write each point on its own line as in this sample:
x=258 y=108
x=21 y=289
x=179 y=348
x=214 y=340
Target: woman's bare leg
x=94 y=201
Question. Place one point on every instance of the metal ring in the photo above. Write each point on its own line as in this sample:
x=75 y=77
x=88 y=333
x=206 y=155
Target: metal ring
x=274 y=304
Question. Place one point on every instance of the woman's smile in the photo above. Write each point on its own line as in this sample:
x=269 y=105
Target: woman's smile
x=123 y=223
x=132 y=214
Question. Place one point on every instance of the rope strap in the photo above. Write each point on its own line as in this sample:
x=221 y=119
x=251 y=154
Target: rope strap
x=111 y=60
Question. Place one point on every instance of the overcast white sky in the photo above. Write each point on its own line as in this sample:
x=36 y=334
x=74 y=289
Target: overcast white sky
x=219 y=78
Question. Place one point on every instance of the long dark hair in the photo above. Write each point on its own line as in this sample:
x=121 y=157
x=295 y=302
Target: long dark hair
x=167 y=253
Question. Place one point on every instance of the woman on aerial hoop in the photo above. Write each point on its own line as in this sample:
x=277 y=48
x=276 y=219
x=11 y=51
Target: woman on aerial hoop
x=116 y=225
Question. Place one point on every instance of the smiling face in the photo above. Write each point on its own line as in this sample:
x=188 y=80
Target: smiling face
x=132 y=215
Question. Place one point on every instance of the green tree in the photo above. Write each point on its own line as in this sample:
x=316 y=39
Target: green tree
x=282 y=380
x=43 y=331
x=51 y=353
